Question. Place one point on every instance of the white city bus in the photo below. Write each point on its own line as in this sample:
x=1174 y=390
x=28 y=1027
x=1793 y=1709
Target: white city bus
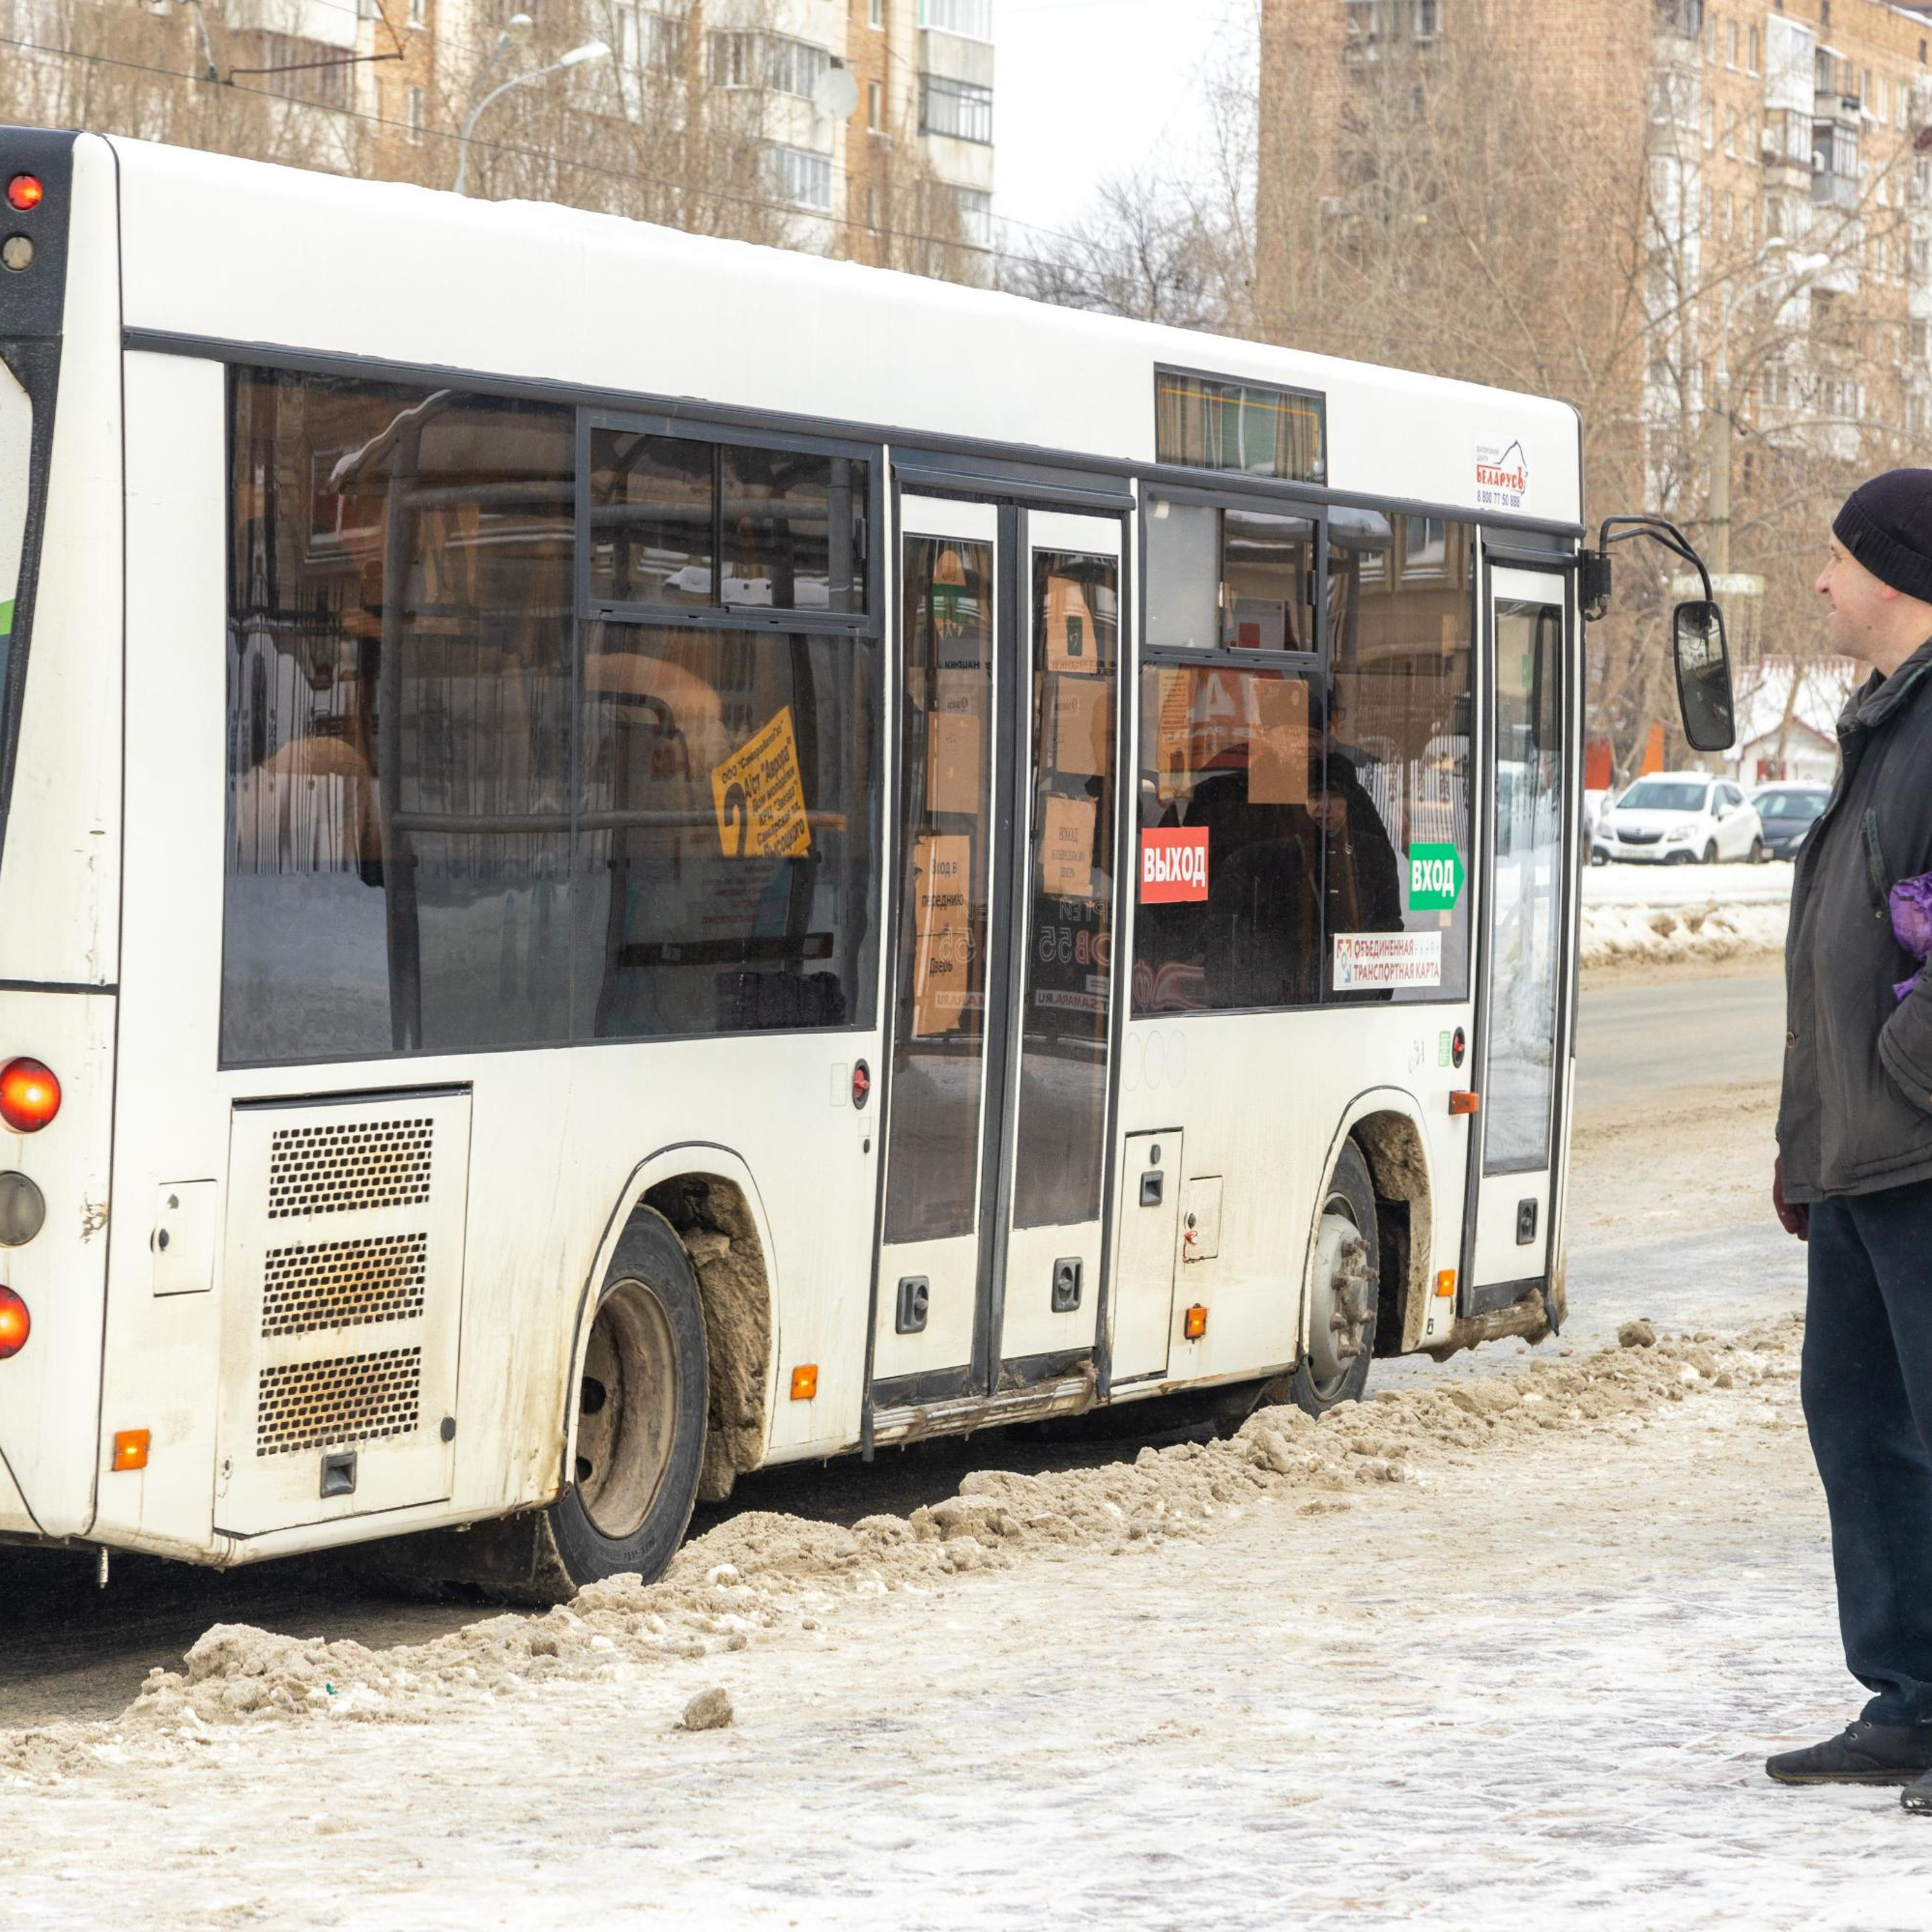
x=628 y=857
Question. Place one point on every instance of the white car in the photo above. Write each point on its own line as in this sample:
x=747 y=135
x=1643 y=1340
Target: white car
x=1673 y=818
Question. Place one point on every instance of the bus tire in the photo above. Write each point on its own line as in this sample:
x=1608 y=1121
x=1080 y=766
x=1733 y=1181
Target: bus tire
x=642 y=1400
x=1344 y=1289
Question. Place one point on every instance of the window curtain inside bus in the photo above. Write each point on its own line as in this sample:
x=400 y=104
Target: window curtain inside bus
x=456 y=818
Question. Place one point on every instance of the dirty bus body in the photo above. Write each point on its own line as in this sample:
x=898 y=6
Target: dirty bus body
x=723 y=858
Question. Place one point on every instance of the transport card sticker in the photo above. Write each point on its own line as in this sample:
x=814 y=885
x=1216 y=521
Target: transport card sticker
x=760 y=794
x=1381 y=960
x=1071 y=644
x=1173 y=865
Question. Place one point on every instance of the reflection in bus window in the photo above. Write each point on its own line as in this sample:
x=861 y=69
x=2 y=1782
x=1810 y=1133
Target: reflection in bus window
x=1228 y=579
x=1402 y=614
x=946 y=823
x=1066 y=1007
x=399 y=737
x=721 y=869
x=443 y=831
x=1232 y=832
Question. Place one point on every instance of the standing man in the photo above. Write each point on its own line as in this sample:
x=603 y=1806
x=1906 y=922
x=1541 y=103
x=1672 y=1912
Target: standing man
x=1854 y=1142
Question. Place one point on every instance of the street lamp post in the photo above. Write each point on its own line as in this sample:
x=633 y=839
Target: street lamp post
x=591 y=50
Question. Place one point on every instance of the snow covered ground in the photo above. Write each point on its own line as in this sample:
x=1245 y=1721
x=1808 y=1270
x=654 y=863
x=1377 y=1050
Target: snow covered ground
x=1504 y=1654
x=1670 y=914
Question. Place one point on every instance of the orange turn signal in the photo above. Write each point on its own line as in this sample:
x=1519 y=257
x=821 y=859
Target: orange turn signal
x=1465 y=1102
x=1194 y=1323
x=805 y=1382
x=1445 y=1283
x=131 y=1449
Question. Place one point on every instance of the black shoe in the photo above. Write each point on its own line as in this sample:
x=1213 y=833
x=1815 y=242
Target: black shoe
x=1917 y=1796
x=1862 y=1754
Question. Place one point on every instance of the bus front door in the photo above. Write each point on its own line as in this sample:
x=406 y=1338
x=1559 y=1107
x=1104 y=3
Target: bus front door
x=1002 y=1008
x=1524 y=1022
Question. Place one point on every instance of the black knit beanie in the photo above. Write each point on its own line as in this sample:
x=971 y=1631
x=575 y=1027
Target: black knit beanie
x=1887 y=525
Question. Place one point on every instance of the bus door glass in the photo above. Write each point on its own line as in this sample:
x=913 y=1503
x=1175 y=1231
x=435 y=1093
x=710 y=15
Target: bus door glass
x=1009 y=639
x=1520 y=1071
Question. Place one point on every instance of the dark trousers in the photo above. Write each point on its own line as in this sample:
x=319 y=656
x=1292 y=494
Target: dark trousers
x=1867 y=1389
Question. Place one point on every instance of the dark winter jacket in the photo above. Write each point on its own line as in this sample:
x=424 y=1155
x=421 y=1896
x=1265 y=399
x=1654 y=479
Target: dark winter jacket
x=1856 y=1114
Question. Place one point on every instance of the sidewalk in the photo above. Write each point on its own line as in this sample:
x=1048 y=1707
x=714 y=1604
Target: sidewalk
x=1530 y=1686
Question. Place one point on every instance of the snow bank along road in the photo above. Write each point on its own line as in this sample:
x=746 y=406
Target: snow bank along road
x=1674 y=914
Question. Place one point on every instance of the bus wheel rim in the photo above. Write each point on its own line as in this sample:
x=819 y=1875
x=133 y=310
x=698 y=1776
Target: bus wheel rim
x=1344 y=1298
x=627 y=1411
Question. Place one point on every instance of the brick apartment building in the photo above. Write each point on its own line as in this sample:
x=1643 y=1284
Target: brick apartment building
x=1729 y=245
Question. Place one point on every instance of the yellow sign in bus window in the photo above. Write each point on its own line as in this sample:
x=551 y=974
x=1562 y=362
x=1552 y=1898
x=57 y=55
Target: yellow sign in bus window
x=760 y=794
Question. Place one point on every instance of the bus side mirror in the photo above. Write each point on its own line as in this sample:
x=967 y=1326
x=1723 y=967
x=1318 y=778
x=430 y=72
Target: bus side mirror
x=1704 y=677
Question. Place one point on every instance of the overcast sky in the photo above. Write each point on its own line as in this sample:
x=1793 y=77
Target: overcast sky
x=1087 y=88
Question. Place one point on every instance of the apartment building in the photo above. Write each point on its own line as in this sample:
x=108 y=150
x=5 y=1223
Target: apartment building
x=860 y=127
x=1778 y=156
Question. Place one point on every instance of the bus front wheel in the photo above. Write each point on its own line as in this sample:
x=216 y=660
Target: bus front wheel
x=1346 y=1284
x=641 y=1403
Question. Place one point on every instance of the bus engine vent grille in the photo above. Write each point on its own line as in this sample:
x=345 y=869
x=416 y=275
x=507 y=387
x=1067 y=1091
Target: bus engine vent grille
x=344 y=1284
x=348 y=1165
x=349 y=1399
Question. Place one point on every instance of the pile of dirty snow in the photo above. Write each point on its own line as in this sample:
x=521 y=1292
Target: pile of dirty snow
x=1667 y=934
x=761 y=1574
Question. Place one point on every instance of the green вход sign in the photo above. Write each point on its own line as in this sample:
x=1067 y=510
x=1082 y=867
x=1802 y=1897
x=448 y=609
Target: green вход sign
x=1435 y=878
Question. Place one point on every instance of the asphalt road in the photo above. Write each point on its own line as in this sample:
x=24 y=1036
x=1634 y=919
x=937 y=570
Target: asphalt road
x=1653 y=1058
x=1635 y=1040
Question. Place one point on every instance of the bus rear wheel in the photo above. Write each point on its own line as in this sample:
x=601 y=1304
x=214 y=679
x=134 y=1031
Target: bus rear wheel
x=641 y=1403
x=1343 y=1293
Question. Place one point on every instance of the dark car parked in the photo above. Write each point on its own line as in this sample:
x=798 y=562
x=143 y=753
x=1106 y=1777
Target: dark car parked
x=1789 y=812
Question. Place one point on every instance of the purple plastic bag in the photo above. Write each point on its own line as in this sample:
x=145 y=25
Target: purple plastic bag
x=1911 y=924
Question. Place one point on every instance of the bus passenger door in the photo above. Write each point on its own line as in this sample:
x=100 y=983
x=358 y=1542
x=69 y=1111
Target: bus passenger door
x=1066 y=818
x=1002 y=1011
x=1523 y=1020
x=929 y=1338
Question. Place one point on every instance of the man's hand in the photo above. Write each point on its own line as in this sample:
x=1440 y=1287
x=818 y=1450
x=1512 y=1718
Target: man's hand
x=1795 y=1220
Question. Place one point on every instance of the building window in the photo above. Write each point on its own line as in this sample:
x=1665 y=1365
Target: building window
x=970 y=19
x=956 y=108
x=875 y=96
x=976 y=217
x=418 y=12
x=1751 y=51
x=413 y=102
x=801 y=177
x=648 y=42
x=1204 y=424
x=1427 y=19
x=774 y=61
x=1731 y=43
x=876 y=16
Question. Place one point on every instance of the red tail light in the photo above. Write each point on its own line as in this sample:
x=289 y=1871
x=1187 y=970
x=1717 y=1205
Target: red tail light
x=24 y=193
x=15 y=1324
x=30 y=1095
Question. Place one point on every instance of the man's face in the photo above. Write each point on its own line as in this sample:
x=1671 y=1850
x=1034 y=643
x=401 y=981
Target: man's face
x=1860 y=605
